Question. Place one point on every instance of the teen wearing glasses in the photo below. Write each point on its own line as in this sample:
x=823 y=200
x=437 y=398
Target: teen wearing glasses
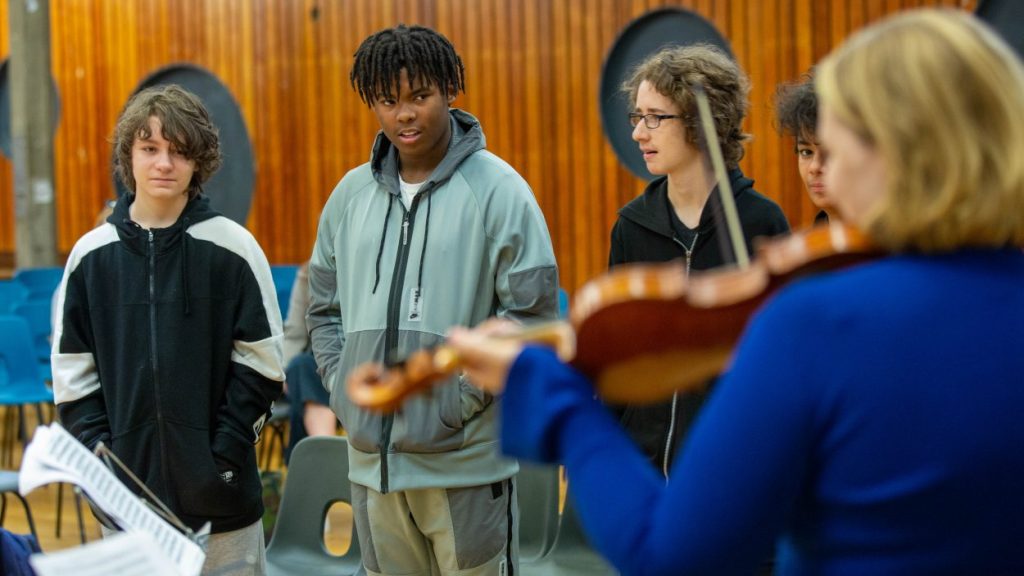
x=675 y=216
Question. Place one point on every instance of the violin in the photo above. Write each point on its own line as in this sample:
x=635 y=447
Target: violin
x=642 y=332
x=424 y=368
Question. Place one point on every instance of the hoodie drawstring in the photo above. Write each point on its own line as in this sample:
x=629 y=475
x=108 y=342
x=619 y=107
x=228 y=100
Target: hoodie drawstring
x=184 y=263
x=383 y=235
x=423 y=251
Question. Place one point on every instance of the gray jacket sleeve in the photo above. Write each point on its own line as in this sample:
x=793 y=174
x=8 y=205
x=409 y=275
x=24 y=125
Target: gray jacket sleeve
x=296 y=335
x=323 y=317
x=526 y=276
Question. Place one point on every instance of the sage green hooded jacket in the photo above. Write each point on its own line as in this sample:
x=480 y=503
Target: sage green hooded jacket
x=386 y=281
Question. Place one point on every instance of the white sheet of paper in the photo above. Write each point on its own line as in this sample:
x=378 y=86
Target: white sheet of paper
x=56 y=456
x=125 y=554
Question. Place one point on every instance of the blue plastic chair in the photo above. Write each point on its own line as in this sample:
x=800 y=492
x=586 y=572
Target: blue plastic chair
x=563 y=303
x=41 y=282
x=12 y=293
x=284 y=278
x=20 y=382
x=317 y=478
x=38 y=315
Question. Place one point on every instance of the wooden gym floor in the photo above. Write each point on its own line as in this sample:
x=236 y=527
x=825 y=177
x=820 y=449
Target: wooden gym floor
x=43 y=503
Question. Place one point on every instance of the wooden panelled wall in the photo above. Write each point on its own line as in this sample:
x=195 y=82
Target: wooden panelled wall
x=532 y=68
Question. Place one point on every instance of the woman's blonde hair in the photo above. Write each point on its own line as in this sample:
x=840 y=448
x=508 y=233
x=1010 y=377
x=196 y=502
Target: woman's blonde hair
x=941 y=97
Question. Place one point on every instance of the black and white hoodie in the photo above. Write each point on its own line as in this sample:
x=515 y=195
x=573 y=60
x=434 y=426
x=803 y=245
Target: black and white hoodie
x=167 y=348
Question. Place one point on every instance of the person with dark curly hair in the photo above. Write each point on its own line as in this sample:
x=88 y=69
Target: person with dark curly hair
x=167 y=339
x=675 y=216
x=796 y=112
x=433 y=231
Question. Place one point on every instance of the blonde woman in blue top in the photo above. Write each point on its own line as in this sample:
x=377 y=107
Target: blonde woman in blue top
x=870 y=420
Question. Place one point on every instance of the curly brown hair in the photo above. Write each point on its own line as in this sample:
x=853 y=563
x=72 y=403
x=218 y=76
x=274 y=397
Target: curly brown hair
x=796 y=108
x=184 y=121
x=673 y=71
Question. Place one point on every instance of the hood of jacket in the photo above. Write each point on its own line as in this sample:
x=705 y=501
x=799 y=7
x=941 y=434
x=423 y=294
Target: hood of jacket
x=650 y=209
x=164 y=239
x=467 y=138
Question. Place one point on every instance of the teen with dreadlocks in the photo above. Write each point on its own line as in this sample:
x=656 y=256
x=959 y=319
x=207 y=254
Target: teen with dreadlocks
x=432 y=232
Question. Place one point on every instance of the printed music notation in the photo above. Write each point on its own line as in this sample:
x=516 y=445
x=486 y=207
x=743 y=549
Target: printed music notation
x=56 y=456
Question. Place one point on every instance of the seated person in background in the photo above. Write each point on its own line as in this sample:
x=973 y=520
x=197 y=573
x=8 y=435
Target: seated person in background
x=870 y=421
x=796 y=110
x=311 y=414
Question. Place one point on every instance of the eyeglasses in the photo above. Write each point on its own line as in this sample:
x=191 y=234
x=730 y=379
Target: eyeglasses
x=651 y=121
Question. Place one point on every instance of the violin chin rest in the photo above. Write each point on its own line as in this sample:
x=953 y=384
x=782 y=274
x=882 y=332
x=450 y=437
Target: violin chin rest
x=651 y=378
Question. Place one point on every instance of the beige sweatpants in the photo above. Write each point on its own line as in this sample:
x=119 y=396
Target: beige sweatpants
x=470 y=531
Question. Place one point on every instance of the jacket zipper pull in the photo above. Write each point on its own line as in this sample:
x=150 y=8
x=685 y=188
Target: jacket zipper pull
x=689 y=252
x=405 y=231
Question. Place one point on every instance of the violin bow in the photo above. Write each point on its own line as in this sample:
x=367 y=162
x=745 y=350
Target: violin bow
x=714 y=150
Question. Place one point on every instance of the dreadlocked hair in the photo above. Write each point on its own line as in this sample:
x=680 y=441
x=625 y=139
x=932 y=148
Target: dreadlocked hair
x=426 y=55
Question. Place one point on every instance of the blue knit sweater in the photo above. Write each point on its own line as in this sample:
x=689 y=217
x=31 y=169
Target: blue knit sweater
x=870 y=424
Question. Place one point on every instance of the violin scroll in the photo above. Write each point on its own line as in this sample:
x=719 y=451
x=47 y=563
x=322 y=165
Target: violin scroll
x=375 y=387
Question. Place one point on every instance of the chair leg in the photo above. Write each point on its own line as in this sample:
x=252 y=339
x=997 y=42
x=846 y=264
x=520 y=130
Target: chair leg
x=28 y=512
x=10 y=435
x=8 y=443
x=78 y=509
x=272 y=446
x=28 y=515
x=60 y=502
x=21 y=426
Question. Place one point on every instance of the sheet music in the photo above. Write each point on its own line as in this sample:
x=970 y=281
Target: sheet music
x=56 y=456
x=132 y=553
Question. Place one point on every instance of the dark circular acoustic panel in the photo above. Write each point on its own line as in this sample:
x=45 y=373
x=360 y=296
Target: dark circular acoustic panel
x=1007 y=17
x=230 y=189
x=638 y=40
x=5 y=109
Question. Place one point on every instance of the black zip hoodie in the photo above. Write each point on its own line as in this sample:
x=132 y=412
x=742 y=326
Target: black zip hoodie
x=644 y=233
x=168 y=350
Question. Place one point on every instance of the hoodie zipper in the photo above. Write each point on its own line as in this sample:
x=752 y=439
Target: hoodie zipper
x=391 y=330
x=688 y=251
x=151 y=276
x=675 y=395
